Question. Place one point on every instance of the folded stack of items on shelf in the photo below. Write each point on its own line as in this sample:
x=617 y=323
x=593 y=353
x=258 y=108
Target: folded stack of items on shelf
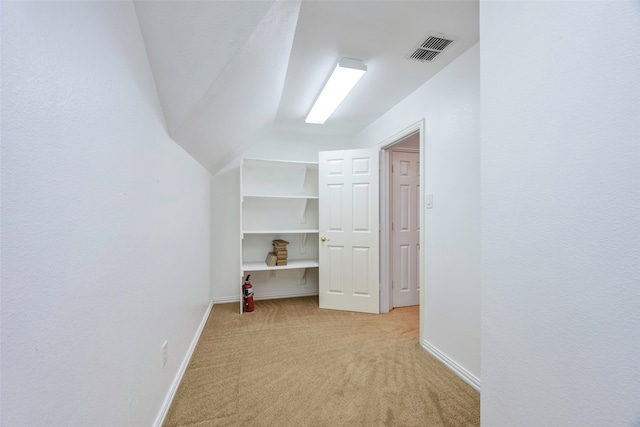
x=271 y=259
x=280 y=249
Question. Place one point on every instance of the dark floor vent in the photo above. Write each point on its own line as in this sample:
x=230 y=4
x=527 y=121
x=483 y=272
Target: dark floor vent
x=429 y=49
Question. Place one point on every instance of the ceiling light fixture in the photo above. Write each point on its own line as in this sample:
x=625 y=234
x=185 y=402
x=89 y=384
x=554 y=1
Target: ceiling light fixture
x=344 y=77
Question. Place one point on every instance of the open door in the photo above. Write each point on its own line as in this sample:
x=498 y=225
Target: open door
x=349 y=230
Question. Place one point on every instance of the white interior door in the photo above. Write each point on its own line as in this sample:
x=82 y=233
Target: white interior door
x=349 y=230
x=405 y=228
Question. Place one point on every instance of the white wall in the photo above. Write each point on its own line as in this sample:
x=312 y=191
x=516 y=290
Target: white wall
x=105 y=222
x=560 y=213
x=449 y=103
x=225 y=236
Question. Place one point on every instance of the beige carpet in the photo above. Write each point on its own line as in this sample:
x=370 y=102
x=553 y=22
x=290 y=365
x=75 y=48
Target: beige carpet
x=291 y=364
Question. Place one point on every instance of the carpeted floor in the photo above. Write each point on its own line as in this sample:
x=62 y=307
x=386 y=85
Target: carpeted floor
x=290 y=363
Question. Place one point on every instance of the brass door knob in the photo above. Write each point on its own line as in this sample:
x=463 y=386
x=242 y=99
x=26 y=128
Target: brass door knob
x=324 y=239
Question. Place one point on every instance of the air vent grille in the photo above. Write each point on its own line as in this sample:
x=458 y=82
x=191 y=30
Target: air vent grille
x=424 y=55
x=429 y=49
x=436 y=43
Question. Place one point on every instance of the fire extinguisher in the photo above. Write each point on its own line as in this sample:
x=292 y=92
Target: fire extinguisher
x=247 y=292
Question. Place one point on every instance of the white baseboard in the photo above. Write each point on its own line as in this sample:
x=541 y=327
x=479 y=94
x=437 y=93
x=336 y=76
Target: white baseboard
x=273 y=295
x=183 y=367
x=467 y=376
x=225 y=300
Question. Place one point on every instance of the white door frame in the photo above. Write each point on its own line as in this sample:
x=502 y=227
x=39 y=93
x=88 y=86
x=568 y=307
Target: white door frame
x=385 y=214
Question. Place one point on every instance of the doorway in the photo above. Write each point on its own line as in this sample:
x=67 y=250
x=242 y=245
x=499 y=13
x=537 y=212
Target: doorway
x=405 y=225
x=401 y=234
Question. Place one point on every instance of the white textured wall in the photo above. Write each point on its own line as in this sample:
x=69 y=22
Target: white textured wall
x=560 y=213
x=105 y=222
x=225 y=234
x=449 y=103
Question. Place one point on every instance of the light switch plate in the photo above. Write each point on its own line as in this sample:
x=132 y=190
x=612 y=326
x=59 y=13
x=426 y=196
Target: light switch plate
x=428 y=201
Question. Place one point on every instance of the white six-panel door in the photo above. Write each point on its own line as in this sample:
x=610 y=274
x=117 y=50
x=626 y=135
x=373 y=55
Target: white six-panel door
x=405 y=233
x=349 y=230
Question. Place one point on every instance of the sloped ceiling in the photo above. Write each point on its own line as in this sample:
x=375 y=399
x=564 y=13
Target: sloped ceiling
x=380 y=33
x=227 y=71
x=190 y=43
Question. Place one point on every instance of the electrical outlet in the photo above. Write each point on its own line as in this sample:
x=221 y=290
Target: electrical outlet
x=165 y=353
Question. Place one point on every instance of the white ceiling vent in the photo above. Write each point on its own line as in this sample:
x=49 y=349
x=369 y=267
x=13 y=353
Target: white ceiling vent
x=428 y=49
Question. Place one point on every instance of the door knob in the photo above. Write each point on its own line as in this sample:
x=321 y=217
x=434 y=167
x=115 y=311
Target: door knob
x=324 y=239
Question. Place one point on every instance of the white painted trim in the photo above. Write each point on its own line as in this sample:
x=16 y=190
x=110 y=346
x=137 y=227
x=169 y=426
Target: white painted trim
x=404 y=133
x=385 y=227
x=467 y=376
x=385 y=271
x=423 y=186
x=225 y=300
x=164 y=409
x=404 y=150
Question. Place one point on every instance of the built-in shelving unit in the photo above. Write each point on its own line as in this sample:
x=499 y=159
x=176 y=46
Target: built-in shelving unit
x=279 y=200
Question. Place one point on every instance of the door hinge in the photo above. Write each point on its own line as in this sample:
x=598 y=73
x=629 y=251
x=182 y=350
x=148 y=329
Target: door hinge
x=391 y=168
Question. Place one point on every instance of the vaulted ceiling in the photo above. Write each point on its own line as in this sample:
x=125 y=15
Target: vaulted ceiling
x=229 y=71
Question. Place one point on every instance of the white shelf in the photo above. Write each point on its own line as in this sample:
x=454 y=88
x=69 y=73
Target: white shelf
x=282 y=231
x=272 y=163
x=279 y=200
x=270 y=196
x=293 y=264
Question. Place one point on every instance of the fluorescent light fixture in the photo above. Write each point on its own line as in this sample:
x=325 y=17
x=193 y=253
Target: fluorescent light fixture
x=342 y=80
